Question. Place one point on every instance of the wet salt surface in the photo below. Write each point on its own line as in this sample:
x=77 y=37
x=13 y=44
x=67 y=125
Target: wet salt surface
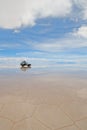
x=45 y=99
x=37 y=71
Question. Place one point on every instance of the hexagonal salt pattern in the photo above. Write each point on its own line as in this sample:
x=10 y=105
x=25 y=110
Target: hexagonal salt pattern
x=69 y=128
x=52 y=116
x=75 y=110
x=82 y=124
x=29 y=124
x=5 y=124
x=17 y=111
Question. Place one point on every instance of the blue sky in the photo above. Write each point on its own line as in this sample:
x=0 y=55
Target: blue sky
x=55 y=35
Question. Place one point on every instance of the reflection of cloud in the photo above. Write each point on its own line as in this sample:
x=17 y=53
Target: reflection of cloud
x=58 y=45
x=63 y=61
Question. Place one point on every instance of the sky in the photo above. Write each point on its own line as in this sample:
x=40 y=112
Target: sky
x=44 y=32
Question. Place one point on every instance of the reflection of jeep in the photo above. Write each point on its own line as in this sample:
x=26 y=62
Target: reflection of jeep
x=25 y=64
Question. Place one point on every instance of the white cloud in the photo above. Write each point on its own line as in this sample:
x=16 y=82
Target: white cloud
x=7 y=45
x=81 y=32
x=16 y=31
x=17 y=13
x=82 y=6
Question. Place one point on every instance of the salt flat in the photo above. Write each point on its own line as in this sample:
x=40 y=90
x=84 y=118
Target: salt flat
x=43 y=102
